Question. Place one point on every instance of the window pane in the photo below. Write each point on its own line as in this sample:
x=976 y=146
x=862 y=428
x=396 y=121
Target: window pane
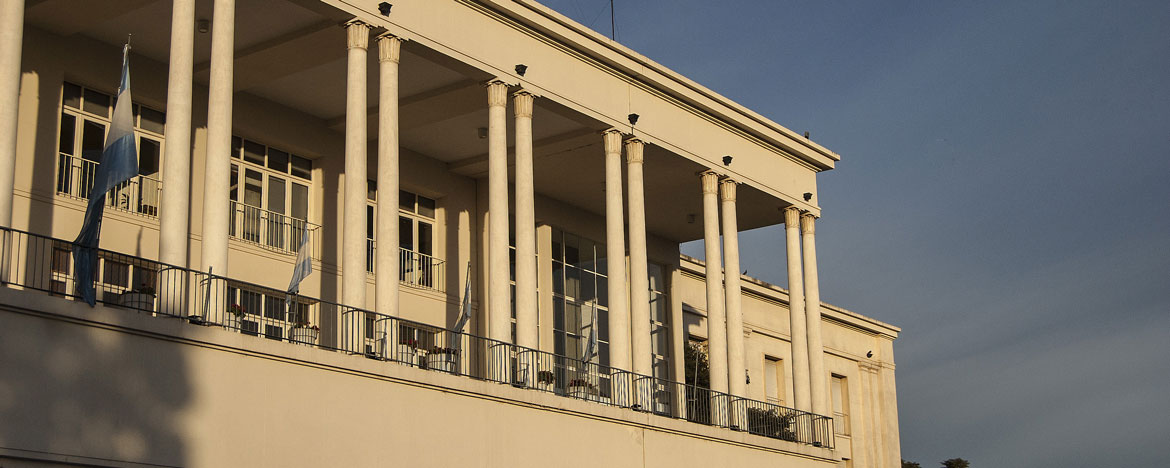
x=148 y=156
x=588 y=293
x=93 y=140
x=771 y=380
x=275 y=195
x=558 y=252
x=274 y=307
x=405 y=233
x=144 y=277
x=426 y=207
x=71 y=96
x=371 y=190
x=406 y=201
x=115 y=273
x=587 y=255
x=237 y=144
x=277 y=160
x=603 y=325
x=572 y=250
x=369 y=222
x=603 y=291
x=97 y=103
x=61 y=260
x=253 y=152
x=68 y=127
x=253 y=188
x=424 y=238
x=234 y=189
x=299 y=208
x=152 y=120
x=558 y=277
x=302 y=167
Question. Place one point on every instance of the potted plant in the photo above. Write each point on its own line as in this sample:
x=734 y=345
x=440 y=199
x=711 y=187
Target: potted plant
x=235 y=317
x=770 y=423
x=304 y=333
x=581 y=388
x=407 y=351
x=545 y=380
x=141 y=298
x=441 y=358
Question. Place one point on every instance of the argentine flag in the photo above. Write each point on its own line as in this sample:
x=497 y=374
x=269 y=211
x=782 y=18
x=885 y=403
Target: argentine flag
x=301 y=270
x=119 y=163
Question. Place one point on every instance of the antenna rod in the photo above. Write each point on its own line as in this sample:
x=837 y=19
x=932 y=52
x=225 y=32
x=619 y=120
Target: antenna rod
x=612 y=22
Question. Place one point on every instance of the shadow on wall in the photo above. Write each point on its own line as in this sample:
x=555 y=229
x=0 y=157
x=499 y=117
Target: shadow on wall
x=68 y=389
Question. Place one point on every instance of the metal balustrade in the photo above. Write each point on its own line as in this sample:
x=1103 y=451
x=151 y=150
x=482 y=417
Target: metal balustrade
x=75 y=178
x=414 y=268
x=272 y=230
x=35 y=262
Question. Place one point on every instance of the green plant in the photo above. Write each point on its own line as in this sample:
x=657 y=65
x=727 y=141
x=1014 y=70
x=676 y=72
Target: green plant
x=305 y=324
x=581 y=383
x=443 y=350
x=545 y=377
x=236 y=310
x=770 y=423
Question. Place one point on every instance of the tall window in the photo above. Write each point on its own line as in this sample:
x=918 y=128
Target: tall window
x=840 y=389
x=579 y=286
x=269 y=195
x=774 y=380
x=265 y=312
x=85 y=120
x=416 y=238
x=659 y=321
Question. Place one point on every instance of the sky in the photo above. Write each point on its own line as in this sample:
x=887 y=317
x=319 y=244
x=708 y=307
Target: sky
x=1003 y=197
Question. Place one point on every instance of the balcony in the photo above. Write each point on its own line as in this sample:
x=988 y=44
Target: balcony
x=139 y=195
x=415 y=269
x=273 y=231
x=38 y=263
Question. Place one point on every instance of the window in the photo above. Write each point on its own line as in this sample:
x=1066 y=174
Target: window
x=840 y=390
x=416 y=233
x=85 y=119
x=774 y=380
x=659 y=321
x=266 y=313
x=270 y=205
x=580 y=287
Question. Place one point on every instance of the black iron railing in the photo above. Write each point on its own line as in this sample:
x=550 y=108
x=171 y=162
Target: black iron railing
x=35 y=262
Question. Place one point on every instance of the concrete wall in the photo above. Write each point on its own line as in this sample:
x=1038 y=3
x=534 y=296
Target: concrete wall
x=108 y=386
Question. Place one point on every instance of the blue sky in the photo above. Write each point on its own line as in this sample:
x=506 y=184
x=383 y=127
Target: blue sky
x=1004 y=197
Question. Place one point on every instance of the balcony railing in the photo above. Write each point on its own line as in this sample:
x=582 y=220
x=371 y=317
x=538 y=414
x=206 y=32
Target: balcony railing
x=75 y=178
x=272 y=230
x=35 y=262
x=414 y=268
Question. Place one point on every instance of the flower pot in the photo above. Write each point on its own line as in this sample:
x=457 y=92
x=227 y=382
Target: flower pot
x=303 y=335
x=135 y=300
x=441 y=361
x=545 y=386
x=405 y=353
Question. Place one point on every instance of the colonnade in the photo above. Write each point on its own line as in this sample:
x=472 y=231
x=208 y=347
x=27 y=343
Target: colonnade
x=630 y=320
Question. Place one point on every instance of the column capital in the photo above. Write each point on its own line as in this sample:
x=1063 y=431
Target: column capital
x=634 y=148
x=710 y=181
x=613 y=140
x=357 y=34
x=497 y=92
x=807 y=223
x=728 y=189
x=792 y=217
x=389 y=48
x=523 y=103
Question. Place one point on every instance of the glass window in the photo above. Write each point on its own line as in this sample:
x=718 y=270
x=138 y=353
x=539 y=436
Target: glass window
x=773 y=380
x=115 y=273
x=840 y=389
x=151 y=120
x=277 y=160
x=68 y=123
x=426 y=207
x=96 y=103
x=299 y=207
x=253 y=152
x=71 y=96
x=93 y=140
x=406 y=201
x=148 y=156
x=253 y=188
x=302 y=167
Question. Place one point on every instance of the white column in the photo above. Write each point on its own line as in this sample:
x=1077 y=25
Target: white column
x=643 y=354
x=11 y=41
x=353 y=244
x=818 y=380
x=716 y=320
x=526 y=329
x=499 y=295
x=388 y=257
x=175 y=210
x=526 y=319
x=217 y=168
x=615 y=254
x=737 y=379
x=176 y=183
x=797 y=325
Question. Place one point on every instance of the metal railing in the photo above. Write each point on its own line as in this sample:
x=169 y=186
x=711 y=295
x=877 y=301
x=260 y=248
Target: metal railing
x=414 y=268
x=35 y=262
x=272 y=230
x=75 y=178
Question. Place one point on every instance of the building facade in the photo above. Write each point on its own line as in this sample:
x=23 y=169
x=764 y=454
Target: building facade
x=492 y=199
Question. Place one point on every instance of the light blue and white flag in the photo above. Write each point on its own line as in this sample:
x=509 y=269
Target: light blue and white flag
x=591 y=342
x=302 y=269
x=465 y=306
x=119 y=163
